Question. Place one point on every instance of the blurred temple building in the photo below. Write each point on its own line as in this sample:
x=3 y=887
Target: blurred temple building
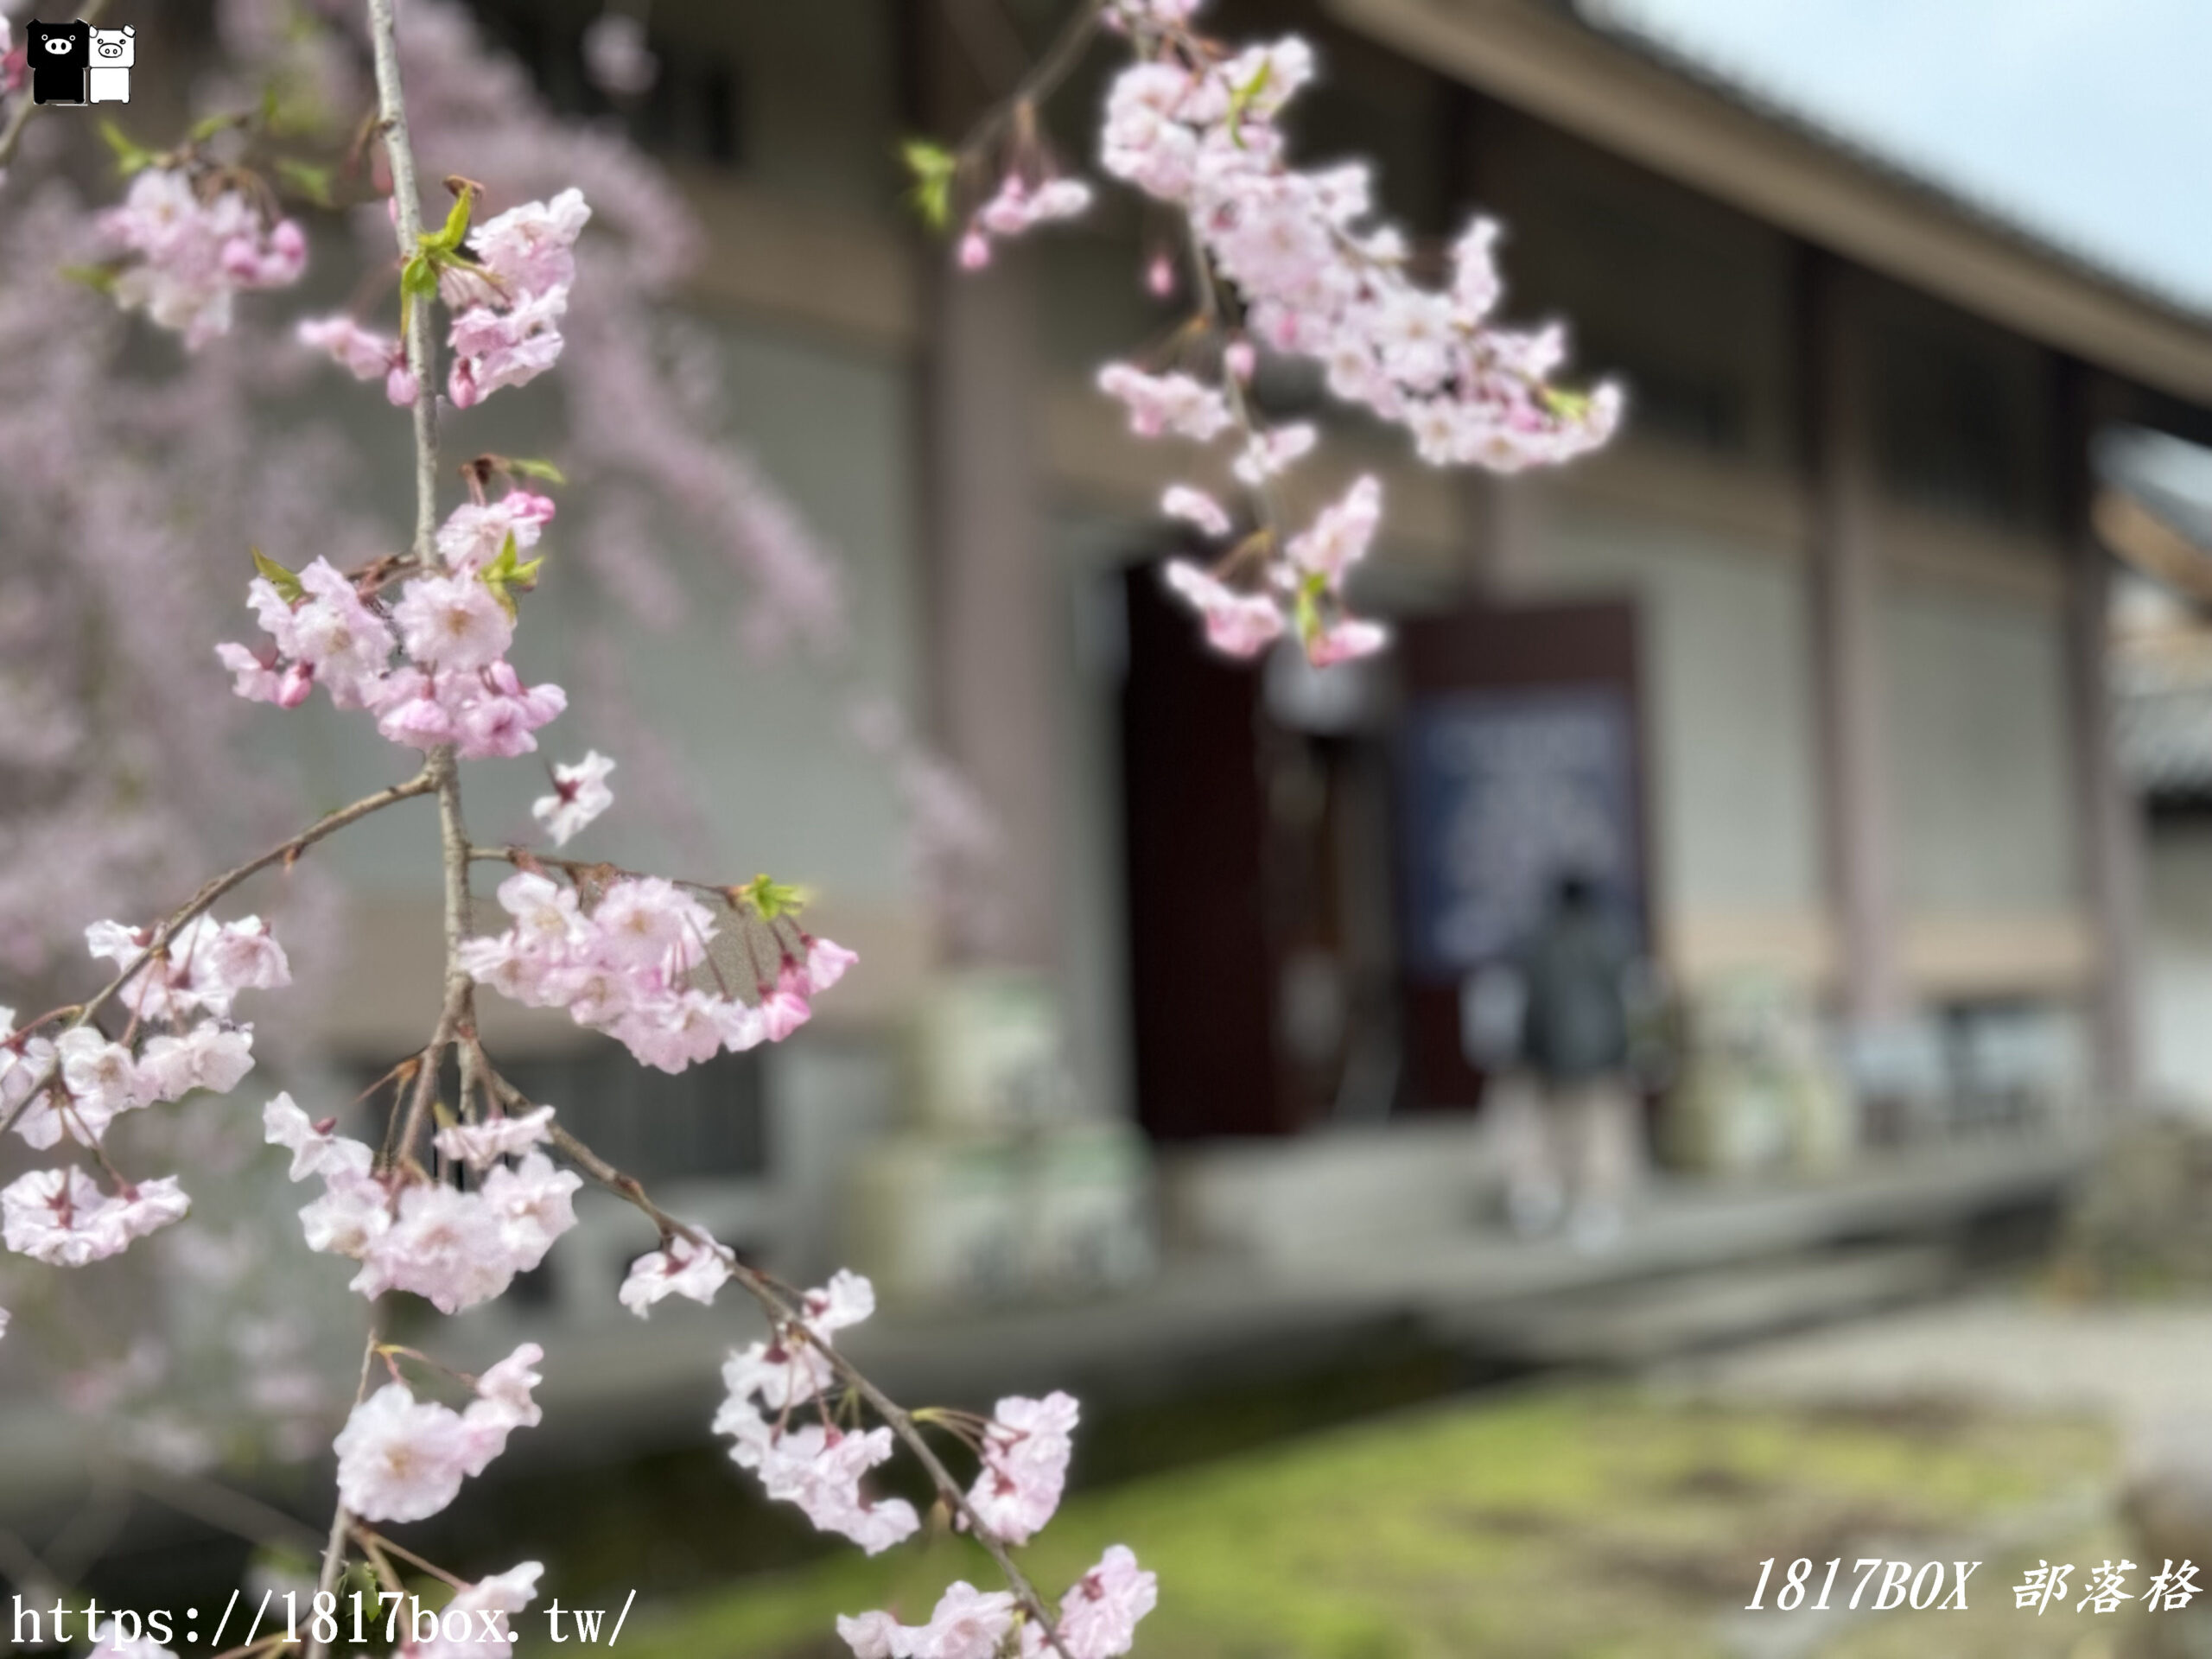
x=1809 y=671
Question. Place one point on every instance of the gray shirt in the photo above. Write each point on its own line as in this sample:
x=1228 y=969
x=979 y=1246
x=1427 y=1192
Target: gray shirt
x=1575 y=1023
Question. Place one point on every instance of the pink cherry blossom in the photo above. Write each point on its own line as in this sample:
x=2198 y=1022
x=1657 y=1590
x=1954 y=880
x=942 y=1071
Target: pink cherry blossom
x=874 y=1635
x=684 y=1268
x=353 y=1213
x=1319 y=282
x=60 y=1217
x=314 y=1149
x=481 y=1144
x=783 y=1012
x=504 y=1404
x=495 y=349
x=579 y=794
x=443 y=1245
x=100 y=1080
x=647 y=921
x=145 y=1207
x=511 y=333
x=534 y=1204
x=1339 y=534
x=453 y=623
x=1274 y=452
x=826 y=963
x=211 y=1056
x=848 y=1299
x=1342 y=640
x=362 y=353
x=400 y=1458
x=1025 y=1458
x=484 y=715
x=51 y=1215
x=192 y=254
x=1240 y=624
x=625 y=969
x=26 y=1062
x=329 y=636
x=495 y=1597
x=1166 y=403
x=966 y=1623
x=1017 y=207
x=504 y=1391
x=819 y=1468
x=532 y=248
x=473 y=533
x=204 y=966
x=1197 y=507
x=1098 y=1617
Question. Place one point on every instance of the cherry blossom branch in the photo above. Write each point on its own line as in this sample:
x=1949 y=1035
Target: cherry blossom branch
x=333 y=1551
x=1209 y=285
x=902 y=1424
x=442 y=774
x=283 y=853
x=406 y=203
x=456 y=1016
x=523 y=858
x=776 y=1302
x=1054 y=66
x=11 y=135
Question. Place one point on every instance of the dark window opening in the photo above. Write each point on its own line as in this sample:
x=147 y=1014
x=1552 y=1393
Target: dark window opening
x=694 y=110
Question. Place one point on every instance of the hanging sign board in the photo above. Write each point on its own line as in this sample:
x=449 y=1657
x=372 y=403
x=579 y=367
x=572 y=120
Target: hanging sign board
x=1505 y=789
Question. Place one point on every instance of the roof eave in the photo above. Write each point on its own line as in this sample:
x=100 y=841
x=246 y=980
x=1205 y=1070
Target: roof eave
x=1599 y=89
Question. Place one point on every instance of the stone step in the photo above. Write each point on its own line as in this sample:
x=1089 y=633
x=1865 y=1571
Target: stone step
x=1636 y=1322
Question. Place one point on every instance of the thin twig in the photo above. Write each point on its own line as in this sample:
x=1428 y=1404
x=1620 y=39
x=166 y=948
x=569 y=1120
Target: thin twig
x=283 y=852
x=370 y=1535
x=523 y=858
x=26 y=106
x=456 y=1014
x=391 y=116
x=1263 y=493
x=1055 y=64
x=333 y=1551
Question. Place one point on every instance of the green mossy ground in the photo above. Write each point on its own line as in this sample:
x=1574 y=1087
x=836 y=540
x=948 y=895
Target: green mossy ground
x=1554 y=1521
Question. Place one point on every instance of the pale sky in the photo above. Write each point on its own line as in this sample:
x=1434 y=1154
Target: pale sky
x=2088 y=122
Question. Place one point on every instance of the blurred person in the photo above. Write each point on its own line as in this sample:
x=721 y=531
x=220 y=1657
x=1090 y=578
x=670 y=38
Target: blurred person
x=1578 y=1155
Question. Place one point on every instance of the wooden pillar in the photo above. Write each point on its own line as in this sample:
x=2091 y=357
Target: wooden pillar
x=1847 y=587
x=2109 y=812
x=993 y=591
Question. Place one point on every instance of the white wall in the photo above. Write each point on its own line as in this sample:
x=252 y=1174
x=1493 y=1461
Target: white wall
x=1729 y=714
x=1978 y=746
x=2176 y=1032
